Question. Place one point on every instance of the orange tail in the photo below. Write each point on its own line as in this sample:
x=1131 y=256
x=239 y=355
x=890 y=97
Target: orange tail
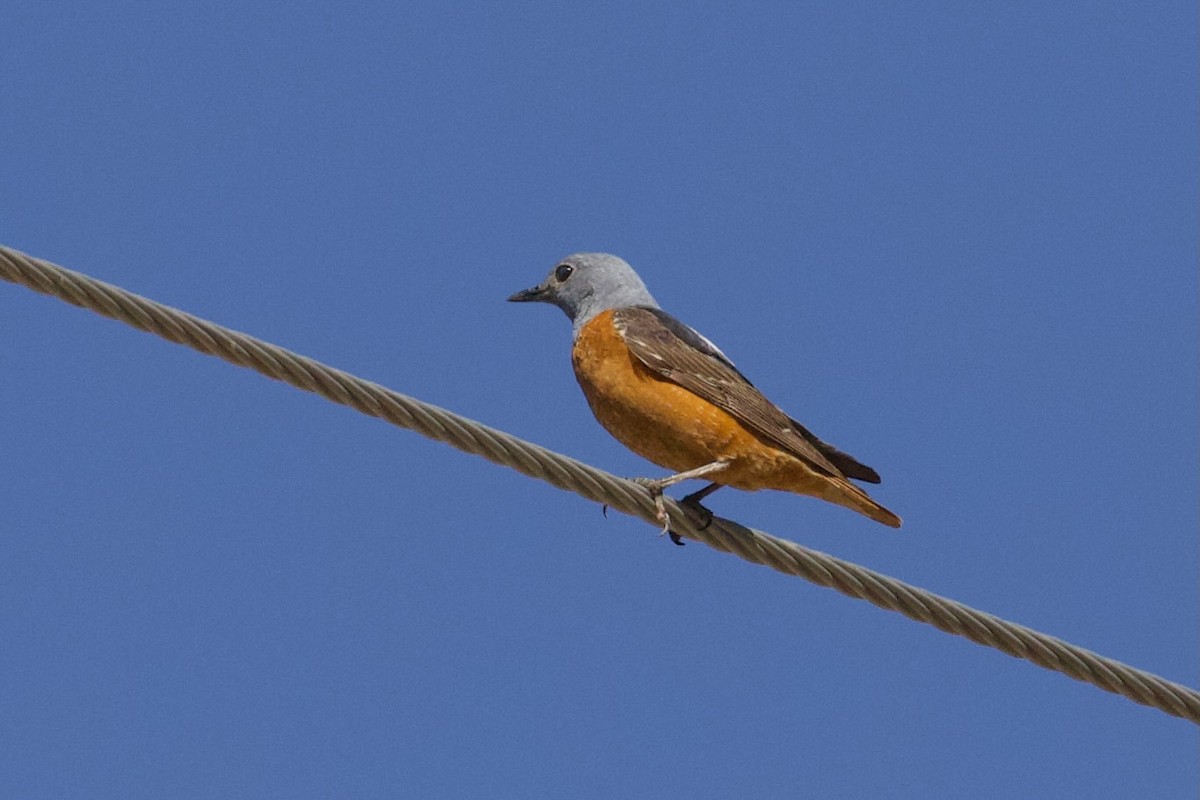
x=855 y=498
x=878 y=513
x=845 y=494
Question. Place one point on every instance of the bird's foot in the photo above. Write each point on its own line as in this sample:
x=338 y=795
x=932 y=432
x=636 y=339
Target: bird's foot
x=694 y=502
x=660 y=510
x=694 y=499
x=656 y=487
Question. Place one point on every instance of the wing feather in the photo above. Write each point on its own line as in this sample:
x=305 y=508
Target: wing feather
x=682 y=356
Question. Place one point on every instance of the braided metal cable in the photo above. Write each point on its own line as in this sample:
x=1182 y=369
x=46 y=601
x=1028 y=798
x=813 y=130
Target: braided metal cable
x=597 y=485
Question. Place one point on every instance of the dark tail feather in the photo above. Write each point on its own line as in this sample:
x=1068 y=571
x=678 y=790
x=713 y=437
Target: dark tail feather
x=850 y=467
x=847 y=464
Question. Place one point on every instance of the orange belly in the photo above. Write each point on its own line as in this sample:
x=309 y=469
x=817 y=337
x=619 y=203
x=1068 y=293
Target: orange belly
x=665 y=423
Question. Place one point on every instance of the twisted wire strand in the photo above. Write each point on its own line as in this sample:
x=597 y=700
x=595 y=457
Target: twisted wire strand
x=594 y=484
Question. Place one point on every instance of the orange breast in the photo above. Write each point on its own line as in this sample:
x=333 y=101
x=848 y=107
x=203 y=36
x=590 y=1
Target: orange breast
x=660 y=420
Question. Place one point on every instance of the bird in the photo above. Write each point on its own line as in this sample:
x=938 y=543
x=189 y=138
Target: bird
x=667 y=393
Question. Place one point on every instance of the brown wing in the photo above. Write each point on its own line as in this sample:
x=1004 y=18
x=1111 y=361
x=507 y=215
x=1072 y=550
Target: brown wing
x=679 y=354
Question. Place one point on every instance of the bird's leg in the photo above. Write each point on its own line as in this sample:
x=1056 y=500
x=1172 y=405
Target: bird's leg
x=695 y=497
x=657 y=485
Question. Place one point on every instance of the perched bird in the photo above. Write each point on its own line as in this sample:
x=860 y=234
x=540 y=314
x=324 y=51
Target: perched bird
x=671 y=396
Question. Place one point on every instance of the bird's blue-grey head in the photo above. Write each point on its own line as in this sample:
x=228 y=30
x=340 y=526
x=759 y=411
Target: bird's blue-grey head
x=586 y=284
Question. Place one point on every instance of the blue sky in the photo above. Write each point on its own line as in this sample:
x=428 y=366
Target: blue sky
x=958 y=240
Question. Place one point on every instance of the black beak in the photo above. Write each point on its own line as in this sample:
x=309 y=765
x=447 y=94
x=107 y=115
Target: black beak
x=537 y=293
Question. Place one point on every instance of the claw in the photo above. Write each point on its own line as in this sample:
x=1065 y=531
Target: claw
x=656 y=486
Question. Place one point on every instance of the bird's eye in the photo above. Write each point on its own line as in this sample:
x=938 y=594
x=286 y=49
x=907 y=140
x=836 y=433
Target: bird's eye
x=562 y=272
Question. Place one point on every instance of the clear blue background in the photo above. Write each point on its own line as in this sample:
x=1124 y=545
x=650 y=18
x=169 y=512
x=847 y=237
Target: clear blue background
x=957 y=239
